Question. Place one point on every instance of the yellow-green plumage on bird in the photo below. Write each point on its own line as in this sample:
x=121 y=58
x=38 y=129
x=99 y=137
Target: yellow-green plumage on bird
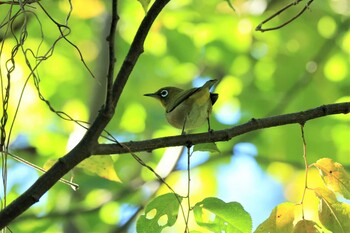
x=187 y=109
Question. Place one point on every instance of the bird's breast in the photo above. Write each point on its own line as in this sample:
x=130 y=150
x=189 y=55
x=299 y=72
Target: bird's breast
x=193 y=112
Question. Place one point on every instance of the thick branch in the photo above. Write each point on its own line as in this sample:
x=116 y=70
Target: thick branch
x=223 y=135
x=111 y=53
x=136 y=49
x=85 y=147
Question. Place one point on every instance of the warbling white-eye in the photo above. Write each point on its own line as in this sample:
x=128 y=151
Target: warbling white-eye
x=187 y=109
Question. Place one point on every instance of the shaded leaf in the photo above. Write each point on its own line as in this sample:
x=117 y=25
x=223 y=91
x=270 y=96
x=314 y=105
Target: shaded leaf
x=161 y=212
x=334 y=215
x=334 y=176
x=306 y=226
x=280 y=220
x=102 y=166
x=210 y=147
x=218 y=216
x=144 y=4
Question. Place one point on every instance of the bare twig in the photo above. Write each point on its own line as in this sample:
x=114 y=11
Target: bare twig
x=73 y=185
x=189 y=153
x=18 y=2
x=306 y=170
x=259 y=27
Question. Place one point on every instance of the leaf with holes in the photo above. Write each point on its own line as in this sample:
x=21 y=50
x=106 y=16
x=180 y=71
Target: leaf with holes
x=219 y=216
x=306 y=226
x=280 y=220
x=102 y=166
x=334 y=176
x=161 y=212
x=334 y=215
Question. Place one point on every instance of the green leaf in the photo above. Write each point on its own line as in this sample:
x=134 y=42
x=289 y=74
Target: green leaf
x=334 y=176
x=334 y=215
x=280 y=220
x=218 y=216
x=306 y=226
x=210 y=147
x=159 y=213
x=144 y=4
x=103 y=166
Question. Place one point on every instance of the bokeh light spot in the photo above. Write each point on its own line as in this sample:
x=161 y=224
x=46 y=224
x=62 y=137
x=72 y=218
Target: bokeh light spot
x=133 y=119
x=336 y=68
x=326 y=26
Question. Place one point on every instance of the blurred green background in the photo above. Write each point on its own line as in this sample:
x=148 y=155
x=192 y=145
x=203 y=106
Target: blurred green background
x=298 y=67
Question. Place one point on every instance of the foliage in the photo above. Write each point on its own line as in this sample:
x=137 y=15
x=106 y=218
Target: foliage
x=159 y=213
x=228 y=217
x=297 y=67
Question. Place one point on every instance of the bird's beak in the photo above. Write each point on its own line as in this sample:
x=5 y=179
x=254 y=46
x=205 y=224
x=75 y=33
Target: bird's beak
x=155 y=95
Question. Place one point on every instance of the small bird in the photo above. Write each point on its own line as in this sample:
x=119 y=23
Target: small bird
x=187 y=109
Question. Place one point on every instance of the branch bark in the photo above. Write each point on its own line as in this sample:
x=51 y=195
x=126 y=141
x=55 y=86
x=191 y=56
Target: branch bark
x=223 y=135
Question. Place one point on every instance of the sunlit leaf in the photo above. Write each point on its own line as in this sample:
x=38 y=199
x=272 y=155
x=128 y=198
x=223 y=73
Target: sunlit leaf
x=102 y=166
x=334 y=215
x=209 y=147
x=334 y=176
x=306 y=226
x=280 y=220
x=161 y=212
x=218 y=216
x=144 y=4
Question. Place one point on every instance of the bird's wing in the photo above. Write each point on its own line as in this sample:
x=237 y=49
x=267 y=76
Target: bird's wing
x=182 y=96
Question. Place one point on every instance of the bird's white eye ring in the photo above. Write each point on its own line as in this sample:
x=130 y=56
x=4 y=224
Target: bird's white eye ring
x=164 y=93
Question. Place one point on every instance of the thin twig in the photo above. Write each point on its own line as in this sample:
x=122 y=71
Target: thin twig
x=259 y=27
x=161 y=179
x=73 y=185
x=65 y=34
x=188 y=188
x=306 y=170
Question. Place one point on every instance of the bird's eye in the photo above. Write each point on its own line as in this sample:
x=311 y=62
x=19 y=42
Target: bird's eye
x=164 y=93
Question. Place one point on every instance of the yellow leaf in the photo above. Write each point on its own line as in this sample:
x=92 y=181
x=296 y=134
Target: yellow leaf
x=334 y=176
x=306 y=226
x=334 y=215
x=102 y=166
x=280 y=220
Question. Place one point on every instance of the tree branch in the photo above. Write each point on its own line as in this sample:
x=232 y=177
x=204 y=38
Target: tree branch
x=223 y=135
x=111 y=54
x=259 y=27
x=136 y=49
x=85 y=147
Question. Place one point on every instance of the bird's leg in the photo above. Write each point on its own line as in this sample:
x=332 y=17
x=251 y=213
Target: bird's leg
x=208 y=120
x=183 y=127
x=209 y=128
